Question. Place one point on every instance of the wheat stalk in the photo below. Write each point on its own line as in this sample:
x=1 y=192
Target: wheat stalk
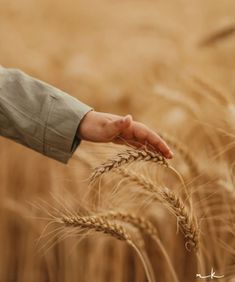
x=186 y=222
x=101 y=224
x=128 y=157
x=146 y=227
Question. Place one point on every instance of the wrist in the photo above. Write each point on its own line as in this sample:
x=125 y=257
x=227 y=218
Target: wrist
x=84 y=124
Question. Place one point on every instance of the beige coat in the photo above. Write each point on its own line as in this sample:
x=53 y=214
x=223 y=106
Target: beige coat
x=39 y=115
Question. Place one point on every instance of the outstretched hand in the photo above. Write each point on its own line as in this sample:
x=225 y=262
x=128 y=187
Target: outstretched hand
x=104 y=127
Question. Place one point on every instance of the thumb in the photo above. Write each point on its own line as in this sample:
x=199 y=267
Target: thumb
x=117 y=126
x=123 y=122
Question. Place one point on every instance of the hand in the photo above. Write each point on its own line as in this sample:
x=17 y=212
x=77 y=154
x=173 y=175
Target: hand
x=104 y=127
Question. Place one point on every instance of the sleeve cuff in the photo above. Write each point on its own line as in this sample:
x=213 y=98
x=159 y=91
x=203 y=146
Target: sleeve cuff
x=64 y=116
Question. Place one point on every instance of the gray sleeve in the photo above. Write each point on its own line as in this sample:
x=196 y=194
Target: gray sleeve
x=39 y=115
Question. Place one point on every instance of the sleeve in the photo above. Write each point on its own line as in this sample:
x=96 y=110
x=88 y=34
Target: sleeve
x=38 y=115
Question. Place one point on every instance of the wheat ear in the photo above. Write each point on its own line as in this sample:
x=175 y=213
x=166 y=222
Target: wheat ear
x=172 y=202
x=146 y=227
x=140 y=222
x=185 y=221
x=100 y=224
x=128 y=157
x=97 y=224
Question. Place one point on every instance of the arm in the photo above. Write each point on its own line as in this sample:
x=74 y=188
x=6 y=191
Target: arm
x=38 y=115
x=53 y=123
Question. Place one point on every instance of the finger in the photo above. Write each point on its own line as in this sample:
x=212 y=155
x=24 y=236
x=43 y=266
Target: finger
x=143 y=134
x=159 y=144
x=128 y=142
x=128 y=120
x=114 y=128
x=143 y=144
x=123 y=122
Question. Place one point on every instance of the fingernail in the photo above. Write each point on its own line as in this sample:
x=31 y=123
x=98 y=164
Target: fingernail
x=170 y=154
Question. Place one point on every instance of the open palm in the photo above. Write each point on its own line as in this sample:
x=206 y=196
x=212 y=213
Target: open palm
x=105 y=127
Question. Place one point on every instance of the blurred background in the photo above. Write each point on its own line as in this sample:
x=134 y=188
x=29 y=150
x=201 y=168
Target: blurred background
x=140 y=57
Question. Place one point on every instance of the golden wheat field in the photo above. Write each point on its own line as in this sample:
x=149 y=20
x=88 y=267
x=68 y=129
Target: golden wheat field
x=115 y=214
